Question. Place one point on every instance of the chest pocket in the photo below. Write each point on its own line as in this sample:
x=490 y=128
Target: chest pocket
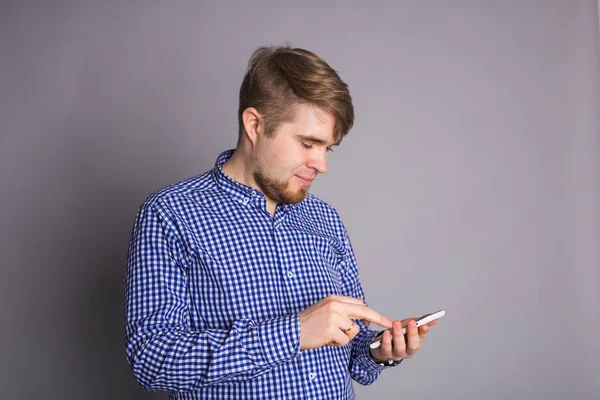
x=331 y=255
x=318 y=266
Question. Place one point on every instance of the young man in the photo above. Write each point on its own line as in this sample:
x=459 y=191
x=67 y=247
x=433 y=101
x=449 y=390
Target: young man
x=240 y=284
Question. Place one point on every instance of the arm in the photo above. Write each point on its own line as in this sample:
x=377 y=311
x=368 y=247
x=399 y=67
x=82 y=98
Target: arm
x=162 y=350
x=363 y=368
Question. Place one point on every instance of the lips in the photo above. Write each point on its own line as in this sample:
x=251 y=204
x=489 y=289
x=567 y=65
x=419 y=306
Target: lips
x=304 y=180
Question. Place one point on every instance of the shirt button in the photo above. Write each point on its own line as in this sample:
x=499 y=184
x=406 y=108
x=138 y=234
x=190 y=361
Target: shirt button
x=290 y=274
x=246 y=200
x=312 y=376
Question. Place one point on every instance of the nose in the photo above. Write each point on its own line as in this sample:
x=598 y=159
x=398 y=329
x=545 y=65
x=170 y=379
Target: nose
x=318 y=162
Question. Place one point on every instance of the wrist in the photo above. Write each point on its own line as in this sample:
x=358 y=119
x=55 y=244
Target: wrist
x=374 y=358
x=384 y=363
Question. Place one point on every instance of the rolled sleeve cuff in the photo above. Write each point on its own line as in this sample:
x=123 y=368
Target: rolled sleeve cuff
x=280 y=338
x=364 y=357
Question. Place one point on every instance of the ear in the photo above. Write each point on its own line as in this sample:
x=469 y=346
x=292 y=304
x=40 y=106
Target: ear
x=253 y=124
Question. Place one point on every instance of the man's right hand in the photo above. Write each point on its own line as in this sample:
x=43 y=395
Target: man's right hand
x=328 y=321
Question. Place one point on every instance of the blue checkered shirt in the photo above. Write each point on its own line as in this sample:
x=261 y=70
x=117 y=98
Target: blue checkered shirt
x=214 y=288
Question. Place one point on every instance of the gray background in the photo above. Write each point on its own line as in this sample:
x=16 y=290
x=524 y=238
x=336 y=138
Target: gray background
x=470 y=182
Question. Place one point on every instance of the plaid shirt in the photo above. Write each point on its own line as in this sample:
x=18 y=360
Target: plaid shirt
x=214 y=288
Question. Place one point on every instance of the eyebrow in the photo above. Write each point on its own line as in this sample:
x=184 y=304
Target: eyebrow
x=315 y=139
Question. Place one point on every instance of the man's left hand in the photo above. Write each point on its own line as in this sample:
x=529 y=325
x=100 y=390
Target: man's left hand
x=396 y=346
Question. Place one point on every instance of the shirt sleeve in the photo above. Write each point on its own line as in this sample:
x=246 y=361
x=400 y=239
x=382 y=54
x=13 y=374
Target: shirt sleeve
x=362 y=367
x=163 y=351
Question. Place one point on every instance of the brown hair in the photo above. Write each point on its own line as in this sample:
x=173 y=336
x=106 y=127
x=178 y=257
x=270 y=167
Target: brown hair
x=279 y=78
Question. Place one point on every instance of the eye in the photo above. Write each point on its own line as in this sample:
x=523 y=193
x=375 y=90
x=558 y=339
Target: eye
x=306 y=146
x=330 y=149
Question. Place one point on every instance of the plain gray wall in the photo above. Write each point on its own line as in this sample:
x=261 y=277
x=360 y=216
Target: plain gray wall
x=470 y=182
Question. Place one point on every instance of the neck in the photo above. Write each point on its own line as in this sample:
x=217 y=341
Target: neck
x=238 y=169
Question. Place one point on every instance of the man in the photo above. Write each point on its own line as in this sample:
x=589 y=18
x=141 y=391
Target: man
x=242 y=285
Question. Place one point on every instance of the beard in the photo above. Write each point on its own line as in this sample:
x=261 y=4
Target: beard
x=278 y=191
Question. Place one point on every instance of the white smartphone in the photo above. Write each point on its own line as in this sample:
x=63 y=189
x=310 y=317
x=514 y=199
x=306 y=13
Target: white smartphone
x=376 y=342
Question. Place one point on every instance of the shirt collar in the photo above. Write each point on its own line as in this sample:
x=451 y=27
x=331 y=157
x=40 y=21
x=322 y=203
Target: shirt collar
x=240 y=192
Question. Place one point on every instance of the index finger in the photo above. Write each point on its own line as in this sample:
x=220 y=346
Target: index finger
x=368 y=314
x=347 y=299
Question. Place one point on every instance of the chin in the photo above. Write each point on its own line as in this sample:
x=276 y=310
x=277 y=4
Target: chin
x=297 y=196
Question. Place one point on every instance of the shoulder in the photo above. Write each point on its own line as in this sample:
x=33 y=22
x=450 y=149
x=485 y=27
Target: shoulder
x=322 y=214
x=314 y=205
x=177 y=193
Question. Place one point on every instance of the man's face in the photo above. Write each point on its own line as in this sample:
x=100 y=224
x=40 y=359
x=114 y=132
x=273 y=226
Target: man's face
x=286 y=164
